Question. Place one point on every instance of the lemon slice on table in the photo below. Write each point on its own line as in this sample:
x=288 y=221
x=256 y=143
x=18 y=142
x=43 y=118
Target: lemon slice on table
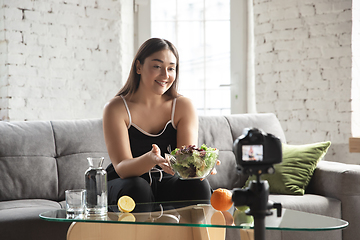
x=126 y=217
x=126 y=204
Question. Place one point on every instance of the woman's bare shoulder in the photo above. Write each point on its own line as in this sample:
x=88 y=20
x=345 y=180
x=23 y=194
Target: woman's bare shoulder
x=114 y=103
x=116 y=108
x=184 y=108
x=183 y=102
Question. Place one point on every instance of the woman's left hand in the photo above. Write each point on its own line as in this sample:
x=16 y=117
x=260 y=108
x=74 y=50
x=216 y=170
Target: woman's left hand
x=213 y=172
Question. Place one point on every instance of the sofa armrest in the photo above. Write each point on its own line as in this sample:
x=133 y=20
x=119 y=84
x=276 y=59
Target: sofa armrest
x=340 y=181
x=336 y=180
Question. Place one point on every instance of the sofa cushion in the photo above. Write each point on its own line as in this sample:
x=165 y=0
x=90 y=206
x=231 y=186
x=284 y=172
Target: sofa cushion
x=75 y=141
x=26 y=139
x=267 y=122
x=78 y=136
x=227 y=175
x=72 y=170
x=294 y=173
x=19 y=219
x=24 y=204
x=28 y=177
x=27 y=152
x=310 y=203
x=215 y=132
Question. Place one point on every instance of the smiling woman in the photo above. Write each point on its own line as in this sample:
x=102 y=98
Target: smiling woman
x=149 y=47
x=142 y=121
x=158 y=70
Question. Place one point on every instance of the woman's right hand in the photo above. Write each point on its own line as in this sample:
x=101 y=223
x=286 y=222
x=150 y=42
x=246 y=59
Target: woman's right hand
x=157 y=159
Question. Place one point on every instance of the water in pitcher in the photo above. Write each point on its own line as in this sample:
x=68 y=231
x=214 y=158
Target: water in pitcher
x=96 y=187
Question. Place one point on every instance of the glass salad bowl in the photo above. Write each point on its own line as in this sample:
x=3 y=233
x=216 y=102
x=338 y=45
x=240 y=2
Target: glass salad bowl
x=190 y=162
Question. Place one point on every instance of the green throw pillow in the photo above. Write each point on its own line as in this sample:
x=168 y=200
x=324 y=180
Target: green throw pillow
x=294 y=173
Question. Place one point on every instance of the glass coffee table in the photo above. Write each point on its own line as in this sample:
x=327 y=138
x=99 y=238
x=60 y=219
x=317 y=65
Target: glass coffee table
x=183 y=220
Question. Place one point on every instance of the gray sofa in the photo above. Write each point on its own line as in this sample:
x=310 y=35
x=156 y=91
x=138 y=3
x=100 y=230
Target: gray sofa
x=39 y=160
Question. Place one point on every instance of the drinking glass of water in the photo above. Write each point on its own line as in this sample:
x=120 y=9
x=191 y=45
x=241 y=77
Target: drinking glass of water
x=75 y=202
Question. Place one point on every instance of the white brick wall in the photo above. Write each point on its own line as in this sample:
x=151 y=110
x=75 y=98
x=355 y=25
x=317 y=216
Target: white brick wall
x=304 y=70
x=61 y=59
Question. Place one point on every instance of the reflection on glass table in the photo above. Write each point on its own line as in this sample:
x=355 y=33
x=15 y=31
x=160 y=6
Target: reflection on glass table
x=201 y=214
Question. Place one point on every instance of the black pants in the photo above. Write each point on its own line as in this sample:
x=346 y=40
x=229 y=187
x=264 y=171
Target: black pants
x=171 y=188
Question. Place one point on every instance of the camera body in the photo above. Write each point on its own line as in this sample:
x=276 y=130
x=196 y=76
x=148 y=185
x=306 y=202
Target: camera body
x=257 y=151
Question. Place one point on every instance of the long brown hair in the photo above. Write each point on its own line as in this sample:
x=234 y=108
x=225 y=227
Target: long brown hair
x=149 y=47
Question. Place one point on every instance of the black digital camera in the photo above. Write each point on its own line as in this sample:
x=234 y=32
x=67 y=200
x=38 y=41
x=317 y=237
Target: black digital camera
x=257 y=151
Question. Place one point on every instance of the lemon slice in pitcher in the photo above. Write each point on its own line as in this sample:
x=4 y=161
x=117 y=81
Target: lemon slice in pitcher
x=126 y=204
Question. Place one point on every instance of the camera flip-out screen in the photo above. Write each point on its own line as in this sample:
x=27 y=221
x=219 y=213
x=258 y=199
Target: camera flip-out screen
x=252 y=152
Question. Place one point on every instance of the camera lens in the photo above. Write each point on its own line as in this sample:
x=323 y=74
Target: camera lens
x=271 y=170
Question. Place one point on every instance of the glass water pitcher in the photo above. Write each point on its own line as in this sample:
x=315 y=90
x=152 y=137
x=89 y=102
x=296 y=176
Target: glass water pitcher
x=96 y=187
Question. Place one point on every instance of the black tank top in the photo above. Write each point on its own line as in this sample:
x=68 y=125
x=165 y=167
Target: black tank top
x=141 y=141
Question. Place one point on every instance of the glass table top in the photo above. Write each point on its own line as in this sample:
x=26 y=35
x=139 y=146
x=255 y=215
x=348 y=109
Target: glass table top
x=202 y=214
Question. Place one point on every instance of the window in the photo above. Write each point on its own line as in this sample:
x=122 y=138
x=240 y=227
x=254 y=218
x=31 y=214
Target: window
x=201 y=32
x=212 y=39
